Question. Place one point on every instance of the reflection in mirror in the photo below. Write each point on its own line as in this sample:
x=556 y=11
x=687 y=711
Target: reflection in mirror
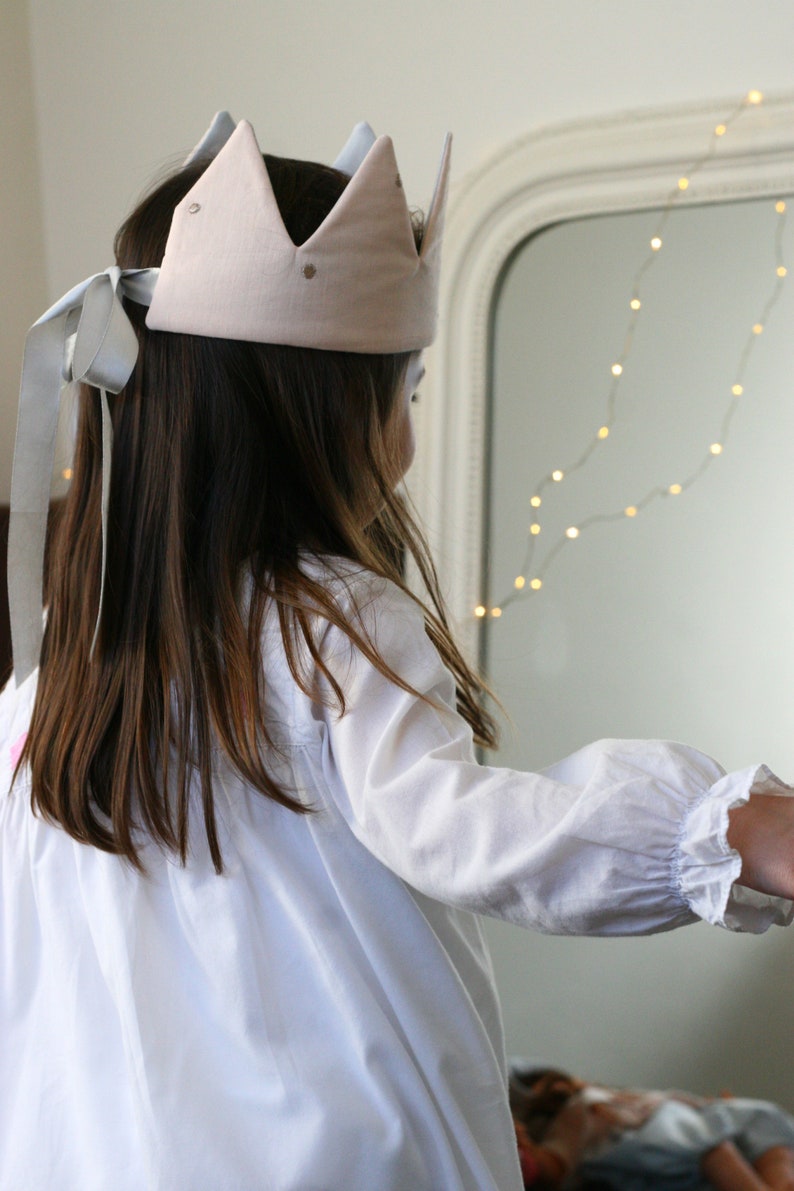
x=675 y=623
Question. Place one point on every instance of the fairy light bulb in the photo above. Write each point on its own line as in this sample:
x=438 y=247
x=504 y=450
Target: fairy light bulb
x=67 y=473
x=572 y=532
x=496 y=613
x=737 y=390
x=603 y=432
x=631 y=511
x=716 y=448
x=479 y=611
x=535 y=501
x=675 y=489
x=720 y=130
x=758 y=328
x=557 y=476
x=656 y=243
x=534 y=529
x=780 y=206
x=781 y=270
x=683 y=183
x=617 y=369
x=518 y=582
x=536 y=584
x=755 y=97
x=635 y=304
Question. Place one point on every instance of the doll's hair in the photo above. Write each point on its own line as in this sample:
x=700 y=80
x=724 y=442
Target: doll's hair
x=536 y=1098
x=230 y=459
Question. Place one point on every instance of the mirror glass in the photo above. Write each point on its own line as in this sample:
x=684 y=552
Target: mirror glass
x=676 y=622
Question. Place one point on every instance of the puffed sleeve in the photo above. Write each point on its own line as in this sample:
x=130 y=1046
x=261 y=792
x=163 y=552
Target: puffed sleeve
x=624 y=837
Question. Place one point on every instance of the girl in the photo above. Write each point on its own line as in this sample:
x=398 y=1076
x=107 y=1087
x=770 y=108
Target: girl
x=243 y=836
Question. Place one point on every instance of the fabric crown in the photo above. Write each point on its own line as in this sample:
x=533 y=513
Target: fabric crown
x=229 y=271
x=357 y=284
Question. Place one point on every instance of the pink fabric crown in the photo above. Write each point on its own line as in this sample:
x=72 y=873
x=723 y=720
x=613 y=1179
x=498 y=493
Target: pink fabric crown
x=358 y=284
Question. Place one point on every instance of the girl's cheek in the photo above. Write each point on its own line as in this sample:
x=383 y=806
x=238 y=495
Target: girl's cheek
x=408 y=442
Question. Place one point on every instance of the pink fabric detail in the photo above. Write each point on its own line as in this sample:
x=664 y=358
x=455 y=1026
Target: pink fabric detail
x=358 y=284
x=16 y=749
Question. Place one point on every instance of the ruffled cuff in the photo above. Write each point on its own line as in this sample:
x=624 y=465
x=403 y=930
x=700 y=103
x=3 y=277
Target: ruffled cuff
x=708 y=867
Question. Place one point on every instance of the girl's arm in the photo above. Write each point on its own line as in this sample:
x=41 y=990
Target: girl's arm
x=625 y=837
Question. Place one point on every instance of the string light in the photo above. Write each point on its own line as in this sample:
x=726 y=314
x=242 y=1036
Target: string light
x=715 y=448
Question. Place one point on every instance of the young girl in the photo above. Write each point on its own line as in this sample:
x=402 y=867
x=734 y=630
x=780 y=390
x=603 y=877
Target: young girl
x=676 y=1142
x=243 y=835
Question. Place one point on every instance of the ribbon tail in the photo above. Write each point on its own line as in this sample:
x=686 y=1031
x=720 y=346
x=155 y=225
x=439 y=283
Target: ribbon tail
x=39 y=402
x=107 y=455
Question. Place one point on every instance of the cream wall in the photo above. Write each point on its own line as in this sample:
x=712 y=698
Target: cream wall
x=22 y=266
x=118 y=89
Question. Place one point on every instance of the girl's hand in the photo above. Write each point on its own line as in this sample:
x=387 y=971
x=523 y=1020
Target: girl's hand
x=762 y=832
x=627 y=1110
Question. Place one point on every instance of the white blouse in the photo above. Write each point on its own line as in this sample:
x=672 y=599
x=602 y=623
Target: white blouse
x=322 y=1017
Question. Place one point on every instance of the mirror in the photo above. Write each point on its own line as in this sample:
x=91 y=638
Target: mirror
x=676 y=622
x=698 y=1008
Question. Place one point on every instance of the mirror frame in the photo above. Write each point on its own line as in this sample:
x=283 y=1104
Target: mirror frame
x=625 y=162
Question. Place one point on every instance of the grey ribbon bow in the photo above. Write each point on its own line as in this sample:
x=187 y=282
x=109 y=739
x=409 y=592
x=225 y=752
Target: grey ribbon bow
x=86 y=336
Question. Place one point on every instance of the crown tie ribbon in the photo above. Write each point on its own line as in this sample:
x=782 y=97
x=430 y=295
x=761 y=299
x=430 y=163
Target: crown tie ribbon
x=86 y=336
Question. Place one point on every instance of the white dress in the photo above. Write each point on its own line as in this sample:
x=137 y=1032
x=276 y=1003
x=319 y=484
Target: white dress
x=323 y=1016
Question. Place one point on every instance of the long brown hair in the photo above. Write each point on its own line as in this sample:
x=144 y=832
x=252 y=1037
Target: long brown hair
x=230 y=459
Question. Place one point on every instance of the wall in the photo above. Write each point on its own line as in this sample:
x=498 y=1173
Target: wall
x=22 y=268
x=120 y=89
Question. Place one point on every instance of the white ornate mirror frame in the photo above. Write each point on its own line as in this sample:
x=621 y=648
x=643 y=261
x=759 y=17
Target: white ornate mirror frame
x=626 y=162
